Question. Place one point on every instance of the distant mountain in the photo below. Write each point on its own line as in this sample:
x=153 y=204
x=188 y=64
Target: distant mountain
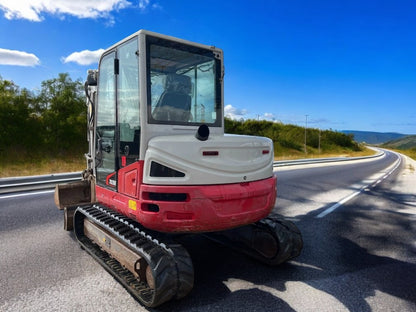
x=374 y=137
x=406 y=142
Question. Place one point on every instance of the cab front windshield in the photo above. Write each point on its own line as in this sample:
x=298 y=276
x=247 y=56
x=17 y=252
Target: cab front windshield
x=183 y=84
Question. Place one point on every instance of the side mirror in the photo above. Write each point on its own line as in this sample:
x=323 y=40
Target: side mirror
x=92 y=76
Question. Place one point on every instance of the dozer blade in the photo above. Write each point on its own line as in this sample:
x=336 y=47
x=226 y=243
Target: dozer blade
x=272 y=240
x=73 y=193
x=151 y=270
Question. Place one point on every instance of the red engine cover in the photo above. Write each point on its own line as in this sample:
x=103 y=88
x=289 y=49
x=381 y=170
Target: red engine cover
x=193 y=208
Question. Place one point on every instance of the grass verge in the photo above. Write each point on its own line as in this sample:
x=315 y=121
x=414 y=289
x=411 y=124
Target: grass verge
x=410 y=153
x=18 y=165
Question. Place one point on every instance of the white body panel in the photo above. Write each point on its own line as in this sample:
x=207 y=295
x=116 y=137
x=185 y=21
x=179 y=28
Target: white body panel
x=154 y=130
x=170 y=143
x=239 y=159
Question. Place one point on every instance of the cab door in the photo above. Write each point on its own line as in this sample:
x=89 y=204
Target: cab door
x=128 y=118
x=118 y=120
x=106 y=145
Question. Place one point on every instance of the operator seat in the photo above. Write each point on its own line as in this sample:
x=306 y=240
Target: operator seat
x=175 y=102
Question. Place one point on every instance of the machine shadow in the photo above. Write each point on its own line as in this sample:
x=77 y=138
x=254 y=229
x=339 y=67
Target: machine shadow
x=339 y=260
x=370 y=246
x=215 y=265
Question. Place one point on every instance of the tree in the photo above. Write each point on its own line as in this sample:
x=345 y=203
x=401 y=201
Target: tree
x=62 y=107
x=19 y=128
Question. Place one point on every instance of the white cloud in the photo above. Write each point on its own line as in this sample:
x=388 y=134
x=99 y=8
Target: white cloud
x=269 y=116
x=20 y=58
x=85 y=57
x=143 y=4
x=34 y=10
x=157 y=6
x=233 y=112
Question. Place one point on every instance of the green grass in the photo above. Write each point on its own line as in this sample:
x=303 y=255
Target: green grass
x=15 y=164
x=410 y=153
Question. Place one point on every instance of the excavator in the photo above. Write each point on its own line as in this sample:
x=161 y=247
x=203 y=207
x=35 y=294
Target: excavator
x=160 y=166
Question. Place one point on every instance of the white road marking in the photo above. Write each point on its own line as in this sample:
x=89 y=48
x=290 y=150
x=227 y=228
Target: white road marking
x=371 y=182
x=27 y=194
x=338 y=204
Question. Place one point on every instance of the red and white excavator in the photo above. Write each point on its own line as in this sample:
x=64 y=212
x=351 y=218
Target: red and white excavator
x=159 y=163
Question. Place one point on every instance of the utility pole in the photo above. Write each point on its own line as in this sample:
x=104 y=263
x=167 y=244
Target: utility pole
x=306 y=126
x=319 y=141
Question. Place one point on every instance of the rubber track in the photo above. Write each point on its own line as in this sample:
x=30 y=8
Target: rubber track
x=286 y=235
x=170 y=263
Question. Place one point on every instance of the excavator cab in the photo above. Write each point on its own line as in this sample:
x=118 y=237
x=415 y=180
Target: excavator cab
x=158 y=152
x=150 y=86
x=159 y=162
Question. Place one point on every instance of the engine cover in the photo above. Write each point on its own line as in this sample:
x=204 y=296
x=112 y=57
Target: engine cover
x=222 y=159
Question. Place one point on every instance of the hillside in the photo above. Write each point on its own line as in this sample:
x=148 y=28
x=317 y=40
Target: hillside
x=289 y=140
x=373 y=137
x=407 y=142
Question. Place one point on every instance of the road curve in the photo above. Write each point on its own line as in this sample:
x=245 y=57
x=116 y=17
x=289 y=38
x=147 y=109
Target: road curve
x=361 y=256
x=308 y=188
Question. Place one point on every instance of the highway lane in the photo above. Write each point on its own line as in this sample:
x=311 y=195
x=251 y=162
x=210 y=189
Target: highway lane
x=359 y=257
x=314 y=187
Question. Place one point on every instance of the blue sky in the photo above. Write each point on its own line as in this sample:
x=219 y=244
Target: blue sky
x=345 y=64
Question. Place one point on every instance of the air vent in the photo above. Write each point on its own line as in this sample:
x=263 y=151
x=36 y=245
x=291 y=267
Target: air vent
x=158 y=170
x=173 y=197
x=210 y=153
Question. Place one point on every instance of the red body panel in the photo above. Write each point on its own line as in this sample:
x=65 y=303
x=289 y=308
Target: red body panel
x=189 y=208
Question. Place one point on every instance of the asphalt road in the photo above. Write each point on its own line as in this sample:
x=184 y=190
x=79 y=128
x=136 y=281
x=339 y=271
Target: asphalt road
x=358 y=256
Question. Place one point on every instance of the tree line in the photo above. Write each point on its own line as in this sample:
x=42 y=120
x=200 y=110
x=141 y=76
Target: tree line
x=290 y=139
x=50 y=121
x=53 y=122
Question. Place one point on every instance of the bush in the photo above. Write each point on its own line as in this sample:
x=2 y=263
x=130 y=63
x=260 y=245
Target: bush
x=288 y=138
x=51 y=122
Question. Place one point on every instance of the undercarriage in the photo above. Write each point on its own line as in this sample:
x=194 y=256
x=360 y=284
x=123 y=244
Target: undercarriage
x=152 y=266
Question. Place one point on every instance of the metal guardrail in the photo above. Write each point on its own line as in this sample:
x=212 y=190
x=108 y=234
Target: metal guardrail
x=308 y=161
x=40 y=182
x=43 y=182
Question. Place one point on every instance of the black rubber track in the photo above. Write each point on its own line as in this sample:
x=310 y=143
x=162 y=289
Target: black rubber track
x=283 y=240
x=288 y=235
x=170 y=263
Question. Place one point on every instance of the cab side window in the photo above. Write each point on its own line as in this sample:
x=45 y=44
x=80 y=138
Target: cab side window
x=128 y=102
x=106 y=123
